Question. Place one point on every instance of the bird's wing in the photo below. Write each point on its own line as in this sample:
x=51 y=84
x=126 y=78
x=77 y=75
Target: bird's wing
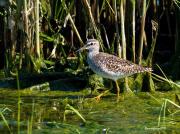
x=118 y=65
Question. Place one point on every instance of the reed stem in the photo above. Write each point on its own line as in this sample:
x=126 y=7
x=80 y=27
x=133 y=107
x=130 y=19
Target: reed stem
x=143 y=17
x=133 y=2
x=123 y=36
x=37 y=28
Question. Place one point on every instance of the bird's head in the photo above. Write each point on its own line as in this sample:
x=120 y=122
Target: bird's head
x=91 y=45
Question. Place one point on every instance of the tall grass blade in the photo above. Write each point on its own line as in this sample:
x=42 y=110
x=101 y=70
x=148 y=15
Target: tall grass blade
x=30 y=121
x=19 y=103
x=4 y=119
x=159 y=118
x=71 y=108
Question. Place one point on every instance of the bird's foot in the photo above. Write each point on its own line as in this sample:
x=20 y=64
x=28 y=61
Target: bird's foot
x=98 y=98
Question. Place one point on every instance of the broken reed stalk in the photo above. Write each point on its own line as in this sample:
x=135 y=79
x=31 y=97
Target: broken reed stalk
x=97 y=32
x=150 y=56
x=69 y=17
x=143 y=17
x=72 y=23
x=91 y=16
x=75 y=29
x=151 y=52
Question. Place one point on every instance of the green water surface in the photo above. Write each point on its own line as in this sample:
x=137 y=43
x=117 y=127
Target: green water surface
x=43 y=113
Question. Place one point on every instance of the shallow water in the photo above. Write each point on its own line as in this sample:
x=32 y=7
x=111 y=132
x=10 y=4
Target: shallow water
x=136 y=114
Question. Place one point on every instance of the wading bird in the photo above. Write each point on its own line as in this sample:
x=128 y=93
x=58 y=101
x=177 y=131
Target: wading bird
x=110 y=66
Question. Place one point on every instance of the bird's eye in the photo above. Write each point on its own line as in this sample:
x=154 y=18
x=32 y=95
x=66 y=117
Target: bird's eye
x=91 y=44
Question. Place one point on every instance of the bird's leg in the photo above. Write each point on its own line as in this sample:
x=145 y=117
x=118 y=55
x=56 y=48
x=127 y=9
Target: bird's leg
x=118 y=90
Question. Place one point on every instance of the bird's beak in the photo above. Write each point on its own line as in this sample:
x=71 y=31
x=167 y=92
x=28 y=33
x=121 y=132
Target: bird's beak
x=81 y=49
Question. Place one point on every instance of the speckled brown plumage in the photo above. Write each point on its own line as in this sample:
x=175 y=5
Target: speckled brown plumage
x=116 y=64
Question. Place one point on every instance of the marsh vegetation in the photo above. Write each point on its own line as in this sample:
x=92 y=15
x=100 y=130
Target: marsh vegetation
x=46 y=86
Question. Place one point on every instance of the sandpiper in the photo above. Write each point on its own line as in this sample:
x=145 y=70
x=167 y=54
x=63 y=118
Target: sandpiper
x=110 y=66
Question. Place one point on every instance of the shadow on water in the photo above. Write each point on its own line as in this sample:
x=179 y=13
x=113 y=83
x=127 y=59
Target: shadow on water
x=45 y=110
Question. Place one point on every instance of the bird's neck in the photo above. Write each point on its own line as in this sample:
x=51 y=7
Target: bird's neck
x=93 y=53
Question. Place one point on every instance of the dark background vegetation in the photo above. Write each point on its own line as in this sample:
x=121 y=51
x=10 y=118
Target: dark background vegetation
x=42 y=36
